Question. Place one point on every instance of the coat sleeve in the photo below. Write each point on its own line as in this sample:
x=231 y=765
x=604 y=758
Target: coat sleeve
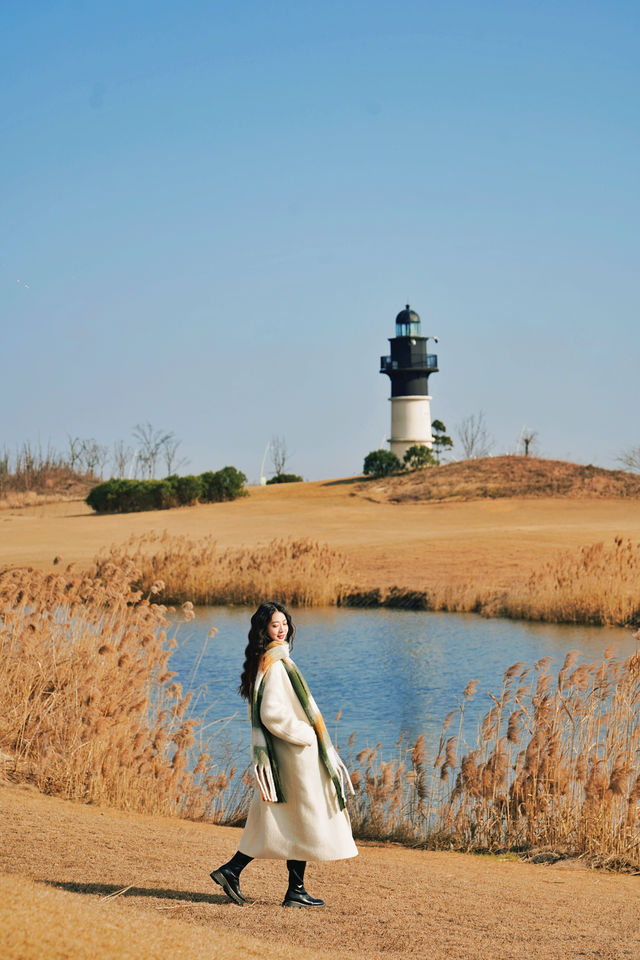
x=277 y=713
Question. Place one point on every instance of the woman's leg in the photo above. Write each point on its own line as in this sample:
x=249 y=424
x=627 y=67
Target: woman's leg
x=228 y=877
x=296 y=895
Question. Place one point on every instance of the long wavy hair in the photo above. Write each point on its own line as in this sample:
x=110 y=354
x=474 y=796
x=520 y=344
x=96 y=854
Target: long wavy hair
x=259 y=639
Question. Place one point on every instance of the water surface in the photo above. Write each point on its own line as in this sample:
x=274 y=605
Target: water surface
x=387 y=671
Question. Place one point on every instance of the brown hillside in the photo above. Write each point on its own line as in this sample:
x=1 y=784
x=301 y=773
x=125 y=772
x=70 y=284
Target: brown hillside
x=54 y=485
x=500 y=477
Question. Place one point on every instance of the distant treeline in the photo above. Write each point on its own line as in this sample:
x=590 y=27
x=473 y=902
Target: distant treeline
x=128 y=496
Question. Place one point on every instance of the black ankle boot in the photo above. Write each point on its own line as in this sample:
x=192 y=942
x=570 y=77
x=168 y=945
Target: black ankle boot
x=228 y=877
x=296 y=895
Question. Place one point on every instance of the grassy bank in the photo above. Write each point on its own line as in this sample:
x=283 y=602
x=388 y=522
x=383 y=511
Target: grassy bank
x=301 y=573
x=597 y=584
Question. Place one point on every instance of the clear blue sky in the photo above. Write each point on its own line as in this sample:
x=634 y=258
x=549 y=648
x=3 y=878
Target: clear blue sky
x=213 y=211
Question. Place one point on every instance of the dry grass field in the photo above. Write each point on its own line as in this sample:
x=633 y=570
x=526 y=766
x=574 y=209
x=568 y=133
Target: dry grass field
x=416 y=545
x=63 y=864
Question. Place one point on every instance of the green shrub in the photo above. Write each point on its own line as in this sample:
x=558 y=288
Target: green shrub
x=225 y=484
x=98 y=497
x=441 y=442
x=417 y=457
x=285 y=478
x=126 y=496
x=380 y=463
x=154 y=495
x=186 y=490
x=129 y=496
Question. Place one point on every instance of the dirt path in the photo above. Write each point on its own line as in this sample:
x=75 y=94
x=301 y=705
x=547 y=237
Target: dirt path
x=412 y=545
x=59 y=860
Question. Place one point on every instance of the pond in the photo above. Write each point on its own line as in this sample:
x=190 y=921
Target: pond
x=387 y=671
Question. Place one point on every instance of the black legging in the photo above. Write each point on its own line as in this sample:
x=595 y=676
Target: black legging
x=296 y=870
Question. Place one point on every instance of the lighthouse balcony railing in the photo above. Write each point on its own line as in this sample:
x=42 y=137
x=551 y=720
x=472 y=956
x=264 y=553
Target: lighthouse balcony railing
x=429 y=362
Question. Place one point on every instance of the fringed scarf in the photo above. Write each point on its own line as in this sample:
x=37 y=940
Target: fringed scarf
x=264 y=756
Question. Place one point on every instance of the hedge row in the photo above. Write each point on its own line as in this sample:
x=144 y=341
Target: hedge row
x=128 y=496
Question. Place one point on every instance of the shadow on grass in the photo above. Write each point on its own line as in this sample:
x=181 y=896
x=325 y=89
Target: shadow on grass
x=347 y=481
x=159 y=893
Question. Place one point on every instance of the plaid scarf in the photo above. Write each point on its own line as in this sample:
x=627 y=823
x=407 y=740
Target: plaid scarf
x=263 y=754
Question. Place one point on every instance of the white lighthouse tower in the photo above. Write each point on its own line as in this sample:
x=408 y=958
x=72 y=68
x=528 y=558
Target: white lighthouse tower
x=409 y=366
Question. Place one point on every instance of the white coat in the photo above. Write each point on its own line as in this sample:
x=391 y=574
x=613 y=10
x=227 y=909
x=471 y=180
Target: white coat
x=309 y=824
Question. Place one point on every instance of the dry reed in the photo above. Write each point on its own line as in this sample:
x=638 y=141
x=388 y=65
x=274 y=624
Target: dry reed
x=595 y=584
x=89 y=708
x=299 y=572
x=556 y=766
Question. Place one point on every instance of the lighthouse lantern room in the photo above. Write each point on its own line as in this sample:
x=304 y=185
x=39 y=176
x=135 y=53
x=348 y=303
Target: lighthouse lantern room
x=409 y=366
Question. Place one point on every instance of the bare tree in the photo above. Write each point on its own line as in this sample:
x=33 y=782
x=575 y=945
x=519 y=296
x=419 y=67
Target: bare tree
x=170 y=454
x=75 y=451
x=93 y=456
x=630 y=459
x=527 y=438
x=475 y=439
x=5 y=461
x=150 y=444
x=279 y=454
x=121 y=456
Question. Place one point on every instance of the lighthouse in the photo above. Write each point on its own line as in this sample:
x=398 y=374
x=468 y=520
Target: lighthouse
x=409 y=366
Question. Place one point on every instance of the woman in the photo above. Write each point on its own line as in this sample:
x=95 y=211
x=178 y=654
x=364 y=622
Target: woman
x=299 y=812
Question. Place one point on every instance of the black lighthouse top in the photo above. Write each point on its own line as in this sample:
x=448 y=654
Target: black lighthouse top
x=409 y=365
x=407 y=323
